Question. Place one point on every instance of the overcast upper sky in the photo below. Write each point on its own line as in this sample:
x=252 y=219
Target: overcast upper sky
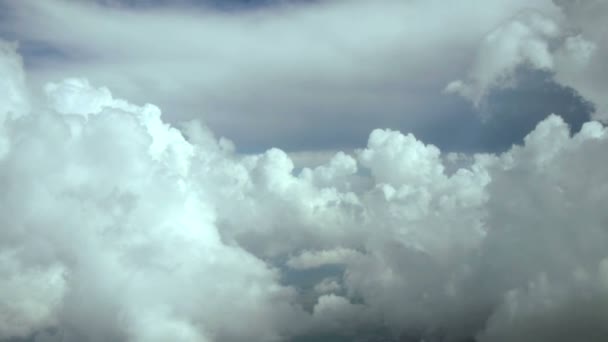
x=303 y=170
x=291 y=74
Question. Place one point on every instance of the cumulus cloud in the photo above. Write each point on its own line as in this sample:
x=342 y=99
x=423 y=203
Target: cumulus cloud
x=105 y=238
x=327 y=285
x=309 y=259
x=116 y=225
x=524 y=39
x=568 y=41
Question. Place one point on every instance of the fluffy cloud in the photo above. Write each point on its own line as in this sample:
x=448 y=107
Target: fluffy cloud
x=309 y=259
x=118 y=226
x=529 y=214
x=106 y=235
x=524 y=39
x=569 y=41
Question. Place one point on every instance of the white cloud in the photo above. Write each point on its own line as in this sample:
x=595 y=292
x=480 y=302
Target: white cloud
x=104 y=232
x=569 y=41
x=523 y=39
x=548 y=311
x=335 y=313
x=327 y=285
x=314 y=259
x=536 y=214
x=118 y=226
x=76 y=96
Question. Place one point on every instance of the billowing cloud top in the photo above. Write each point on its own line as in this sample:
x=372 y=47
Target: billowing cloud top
x=119 y=225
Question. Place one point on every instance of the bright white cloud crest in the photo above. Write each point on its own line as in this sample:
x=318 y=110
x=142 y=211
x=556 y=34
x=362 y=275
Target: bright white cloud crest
x=116 y=226
x=569 y=41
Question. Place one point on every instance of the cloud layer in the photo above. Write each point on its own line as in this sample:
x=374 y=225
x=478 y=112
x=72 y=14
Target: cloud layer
x=291 y=75
x=118 y=226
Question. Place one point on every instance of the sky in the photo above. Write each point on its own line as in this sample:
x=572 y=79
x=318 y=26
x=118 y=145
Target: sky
x=303 y=170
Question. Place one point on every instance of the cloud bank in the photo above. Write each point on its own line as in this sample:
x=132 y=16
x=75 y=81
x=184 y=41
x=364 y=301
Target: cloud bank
x=292 y=74
x=120 y=224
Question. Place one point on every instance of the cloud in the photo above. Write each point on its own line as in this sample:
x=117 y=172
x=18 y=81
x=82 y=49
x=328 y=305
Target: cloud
x=286 y=75
x=519 y=223
x=580 y=58
x=544 y=311
x=523 y=39
x=569 y=41
x=309 y=259
x=14 y=103
x=105 y=238
x=117 y=225
x=510 y=113
x=327 y=285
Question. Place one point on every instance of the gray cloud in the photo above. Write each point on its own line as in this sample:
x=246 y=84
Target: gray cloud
x=281 y=75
